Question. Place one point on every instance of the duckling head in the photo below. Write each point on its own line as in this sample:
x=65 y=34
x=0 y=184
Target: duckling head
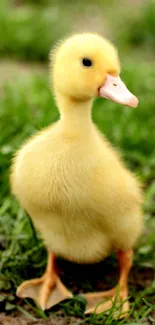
x=87 y=65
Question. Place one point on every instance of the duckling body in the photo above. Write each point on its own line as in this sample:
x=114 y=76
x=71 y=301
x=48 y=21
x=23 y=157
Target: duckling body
x=72 y=182
x=88 y=198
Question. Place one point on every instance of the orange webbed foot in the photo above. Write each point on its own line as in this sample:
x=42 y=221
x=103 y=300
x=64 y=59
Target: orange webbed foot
x=48 y=290
x=116 y=297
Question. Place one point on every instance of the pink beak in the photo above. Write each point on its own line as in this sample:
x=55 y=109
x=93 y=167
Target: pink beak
x=115 y=89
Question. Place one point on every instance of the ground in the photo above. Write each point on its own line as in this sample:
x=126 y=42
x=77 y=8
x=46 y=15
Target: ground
x=26 y=105
x=74 y=277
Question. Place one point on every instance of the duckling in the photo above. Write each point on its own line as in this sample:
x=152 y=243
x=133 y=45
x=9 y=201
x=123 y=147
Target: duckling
x=73 y=183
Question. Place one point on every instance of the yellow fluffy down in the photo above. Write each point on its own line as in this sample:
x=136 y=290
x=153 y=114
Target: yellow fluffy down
x=68 y=177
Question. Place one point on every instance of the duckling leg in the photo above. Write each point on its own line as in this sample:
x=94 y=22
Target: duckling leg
x=48 y=290
x=117 y=294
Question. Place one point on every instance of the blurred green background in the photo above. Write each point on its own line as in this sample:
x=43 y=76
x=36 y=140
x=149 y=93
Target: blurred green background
x=28 y=30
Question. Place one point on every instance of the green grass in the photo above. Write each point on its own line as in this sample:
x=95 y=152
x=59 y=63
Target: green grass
x=30 y=31
x=32 y=27
x=27 y=106
x=138 y=31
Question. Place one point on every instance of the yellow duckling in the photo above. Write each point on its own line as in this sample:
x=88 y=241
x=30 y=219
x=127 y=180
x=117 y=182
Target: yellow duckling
x=71 y=181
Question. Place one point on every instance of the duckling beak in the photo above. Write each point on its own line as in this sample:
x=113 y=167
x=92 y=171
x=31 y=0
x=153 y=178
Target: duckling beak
x=115 y=89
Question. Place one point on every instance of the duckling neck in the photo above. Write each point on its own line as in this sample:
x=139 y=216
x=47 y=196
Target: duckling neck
x=75 y=114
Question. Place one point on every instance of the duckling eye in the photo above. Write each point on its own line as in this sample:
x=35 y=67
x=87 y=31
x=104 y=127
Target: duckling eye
x=87 y=62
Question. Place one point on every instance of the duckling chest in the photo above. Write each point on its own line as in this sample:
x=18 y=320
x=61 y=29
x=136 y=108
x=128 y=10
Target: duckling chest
x=55 y=177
